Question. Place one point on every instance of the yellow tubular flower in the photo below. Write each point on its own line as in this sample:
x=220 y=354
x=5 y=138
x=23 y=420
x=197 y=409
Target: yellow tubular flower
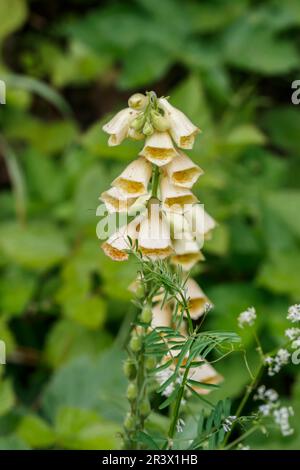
x=206 y=374
x=116 y=201
x=174 y=197
x=134 y=180
x=182 y=171
x=117 y=244
x=118 y=126
x=197 y=299
x=159 y=149
x=187 y=252
x=154 y=237
x=200 y=221
x=182 y=130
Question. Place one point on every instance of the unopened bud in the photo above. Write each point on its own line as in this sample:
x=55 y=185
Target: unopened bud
x=145 y=408
x=146 y=314
x=135 y=343
x=132 y=391
x=135 y=135
x=138 y=123
x=150 y=362
x=148 y=128
x=160 y=122
x=129 y=369
x=129 y=422
x=138 y=101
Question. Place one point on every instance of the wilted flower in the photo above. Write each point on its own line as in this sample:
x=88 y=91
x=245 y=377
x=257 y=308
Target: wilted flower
x=182 y=130
x=118 y=126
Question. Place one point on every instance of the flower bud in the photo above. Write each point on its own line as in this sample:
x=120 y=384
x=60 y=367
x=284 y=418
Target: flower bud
x=160 y=122
x=148 y=128
x=150 y=362
x=132 y=391
x=135 y=135
x=146 y=315
x=145 y=408
x=135 y=343
x=140 y=291
x=138 y=122
x=129 y=422
x=129 y=369
x=138 y=101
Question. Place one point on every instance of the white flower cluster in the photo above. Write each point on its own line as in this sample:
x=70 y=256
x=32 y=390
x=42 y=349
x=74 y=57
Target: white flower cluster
x=180 y=425
x=294 y=313
x=275 y=363
x=247 y=318
x=293 y=334
x=272 y=408
x=228 y=422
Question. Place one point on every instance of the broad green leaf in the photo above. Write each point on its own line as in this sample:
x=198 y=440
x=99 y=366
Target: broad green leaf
x=10 y=22
x=37 y=246
x=7 y=396
x=283 y=125
x=16 y=289
x=12 y=442
x=36 y=432
x=285 y=203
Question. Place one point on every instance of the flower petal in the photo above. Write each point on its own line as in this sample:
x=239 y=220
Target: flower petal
x=159 y=149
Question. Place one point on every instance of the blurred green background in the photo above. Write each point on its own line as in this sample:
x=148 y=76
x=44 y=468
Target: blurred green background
x=229 y=66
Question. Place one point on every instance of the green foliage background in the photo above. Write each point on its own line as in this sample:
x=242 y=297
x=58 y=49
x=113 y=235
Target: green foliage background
x=229 y=66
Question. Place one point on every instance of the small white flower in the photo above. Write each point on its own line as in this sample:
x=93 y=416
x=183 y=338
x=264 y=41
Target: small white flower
x=118 y=126
x=247 y=318
x=296 y=343
x=292 y=333
x=277 y=362
x=227 y=424
x=281 y=417
x=180 y=425
x=162 y=376
x=243 y=447
x=294 y=313
x=265 y=409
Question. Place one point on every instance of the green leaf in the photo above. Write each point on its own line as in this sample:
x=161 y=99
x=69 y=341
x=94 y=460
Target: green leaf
x=10 y=22
x=16 y=289
x=144 y=63
x=37 y=246
x=283 y=125
x=170 y=399
x=7 y=396
x=36 y=432
x=83 y=429
x=147 y=440
x=285 y=203
x=12 y=442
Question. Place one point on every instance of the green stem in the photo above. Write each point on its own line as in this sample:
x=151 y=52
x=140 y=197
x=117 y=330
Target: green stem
x=177 y=407
x=155 y=180
x=244 y=400
x=242 y=437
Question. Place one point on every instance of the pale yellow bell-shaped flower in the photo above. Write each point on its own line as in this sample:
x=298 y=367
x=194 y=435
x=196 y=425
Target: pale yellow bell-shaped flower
x=182 y=130
x=117 y=244
x=197 y=300
x=187 y=252
x=175 y=197
x=118 y=126
x=159 y=148
x=134 y=180
x=116 y=201
x=182 y=171
x=206 y=374
x=201 y=223
x=154 y=238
